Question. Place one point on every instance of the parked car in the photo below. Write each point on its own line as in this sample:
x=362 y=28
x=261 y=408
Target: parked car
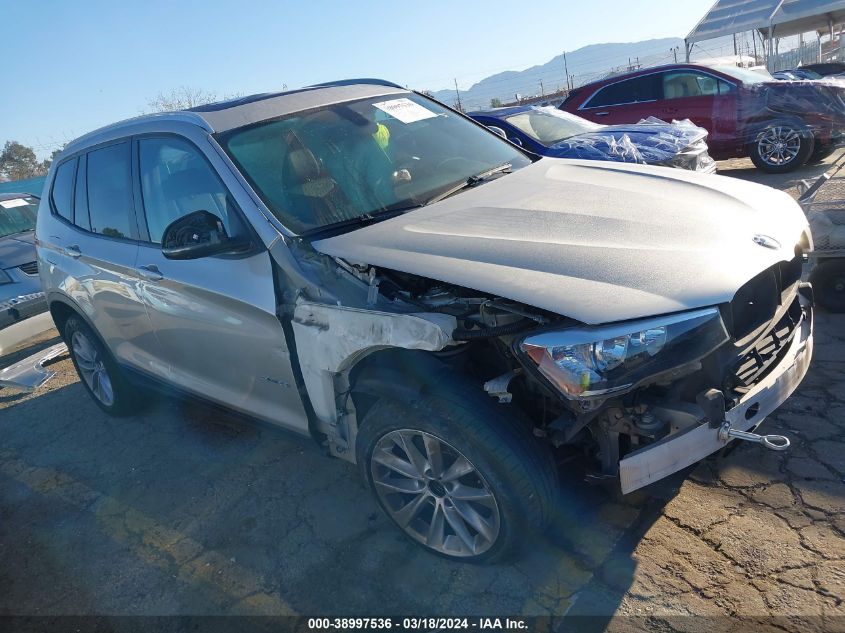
x=796 y=74
x=20 y=288
x=364 y=266
x=549 y=131
x=826 y=69
x=780 y=125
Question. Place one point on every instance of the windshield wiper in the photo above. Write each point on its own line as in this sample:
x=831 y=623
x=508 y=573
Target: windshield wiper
x=359 y=220
x=472 y=181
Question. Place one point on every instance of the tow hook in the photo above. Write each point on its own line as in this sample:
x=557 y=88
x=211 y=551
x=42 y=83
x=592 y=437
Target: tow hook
x=772 y=442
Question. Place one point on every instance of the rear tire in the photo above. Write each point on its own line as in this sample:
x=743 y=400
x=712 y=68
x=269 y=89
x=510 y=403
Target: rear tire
x=97 y=369
x=781 y=146
x=828 y=280
x=412 y=454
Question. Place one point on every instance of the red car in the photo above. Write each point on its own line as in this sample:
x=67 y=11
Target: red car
x=780 y=125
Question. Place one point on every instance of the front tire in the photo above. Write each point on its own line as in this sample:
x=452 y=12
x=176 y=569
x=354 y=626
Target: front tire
x=781 y=147
x=97 y=369
x=455 y=474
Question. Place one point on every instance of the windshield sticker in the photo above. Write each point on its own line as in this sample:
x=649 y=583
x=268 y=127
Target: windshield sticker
x=405 y=110
x=11 y=204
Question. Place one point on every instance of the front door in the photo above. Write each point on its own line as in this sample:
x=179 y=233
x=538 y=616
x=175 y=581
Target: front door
x=214 y=317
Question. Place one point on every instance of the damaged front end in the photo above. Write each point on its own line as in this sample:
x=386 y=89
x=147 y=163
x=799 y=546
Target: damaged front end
x=641 y=400
x=649 y=398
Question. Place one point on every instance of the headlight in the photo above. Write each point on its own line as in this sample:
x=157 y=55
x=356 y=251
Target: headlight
x=4 y=277
x=591 y=362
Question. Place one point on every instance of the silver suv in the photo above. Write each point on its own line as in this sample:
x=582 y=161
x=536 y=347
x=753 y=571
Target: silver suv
x=362 y=265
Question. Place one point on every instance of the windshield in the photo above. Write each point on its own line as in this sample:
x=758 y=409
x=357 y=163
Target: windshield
x=550 y=125
x=18 y=215
x=358 y=159
x=745 y=75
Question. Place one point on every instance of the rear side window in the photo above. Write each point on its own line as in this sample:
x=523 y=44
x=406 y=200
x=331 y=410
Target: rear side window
x=633 y=90
x=110 y=191
x=62 y=192
x=677 y=85
x=81 y=198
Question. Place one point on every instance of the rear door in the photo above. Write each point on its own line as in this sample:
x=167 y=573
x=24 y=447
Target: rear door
x=214 y=317
x=93 y=249
x=626 y=101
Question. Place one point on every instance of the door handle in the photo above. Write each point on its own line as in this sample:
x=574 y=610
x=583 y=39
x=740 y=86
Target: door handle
x=150 y=272
x=602 y=113
x=73 y=251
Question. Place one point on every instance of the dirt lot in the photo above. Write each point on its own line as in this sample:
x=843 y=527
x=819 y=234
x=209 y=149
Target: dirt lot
x=185 y=511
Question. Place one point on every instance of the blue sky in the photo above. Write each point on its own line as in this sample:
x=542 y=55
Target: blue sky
x=73 y=66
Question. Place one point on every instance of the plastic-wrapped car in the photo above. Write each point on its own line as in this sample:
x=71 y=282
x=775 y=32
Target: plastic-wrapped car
x=551 y=132
x=780 y=125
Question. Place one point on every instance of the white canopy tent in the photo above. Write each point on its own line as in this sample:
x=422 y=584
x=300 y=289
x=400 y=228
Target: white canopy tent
x=770 y=18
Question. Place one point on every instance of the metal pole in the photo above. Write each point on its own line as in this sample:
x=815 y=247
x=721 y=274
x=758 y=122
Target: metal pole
x=566 y=69
x=458 y=92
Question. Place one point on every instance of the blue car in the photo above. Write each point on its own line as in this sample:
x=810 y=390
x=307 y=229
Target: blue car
x=551 y=132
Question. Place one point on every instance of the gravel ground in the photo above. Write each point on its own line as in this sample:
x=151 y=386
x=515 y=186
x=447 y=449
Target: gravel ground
x=184 y=510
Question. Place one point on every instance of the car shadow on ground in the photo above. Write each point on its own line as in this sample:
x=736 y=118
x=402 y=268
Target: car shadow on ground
x=185 y=509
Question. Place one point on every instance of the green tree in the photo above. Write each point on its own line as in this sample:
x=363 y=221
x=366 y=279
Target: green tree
x=18 y=162
x=495 y=102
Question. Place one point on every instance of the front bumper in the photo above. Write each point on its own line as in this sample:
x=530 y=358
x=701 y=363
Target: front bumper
x=683 y=449
x=20 y=307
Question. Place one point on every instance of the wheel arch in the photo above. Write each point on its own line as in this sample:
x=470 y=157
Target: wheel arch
x=62 y=308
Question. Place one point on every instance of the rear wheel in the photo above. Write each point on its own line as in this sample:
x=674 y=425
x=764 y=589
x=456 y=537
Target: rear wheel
x=828 y=280
x=97 y=370
x=455 y=474
x=781 y=147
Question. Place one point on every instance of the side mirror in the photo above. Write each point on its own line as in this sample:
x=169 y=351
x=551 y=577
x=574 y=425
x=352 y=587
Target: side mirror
x=199 y=234
x=497 y=130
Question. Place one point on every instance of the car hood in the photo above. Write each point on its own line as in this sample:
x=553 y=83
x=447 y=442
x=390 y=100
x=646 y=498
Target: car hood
x=17 y=249
x=597 y=242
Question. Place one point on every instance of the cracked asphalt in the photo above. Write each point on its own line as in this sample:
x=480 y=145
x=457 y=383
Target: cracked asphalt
x=184 y=510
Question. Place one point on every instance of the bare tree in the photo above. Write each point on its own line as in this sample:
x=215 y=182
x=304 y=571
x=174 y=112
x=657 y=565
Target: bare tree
x=181 y=98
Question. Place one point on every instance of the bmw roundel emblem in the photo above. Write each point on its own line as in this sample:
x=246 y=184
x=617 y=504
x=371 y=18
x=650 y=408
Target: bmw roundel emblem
x=765 y=240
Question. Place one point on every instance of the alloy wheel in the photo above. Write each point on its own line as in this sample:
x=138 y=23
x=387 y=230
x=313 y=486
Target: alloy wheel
x=92 y=368
x=434 y=493
x=779 y=145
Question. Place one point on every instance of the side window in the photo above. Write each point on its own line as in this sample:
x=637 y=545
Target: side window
x=726 y=88
x=634 y=90
x=177 y=180
x=110 y=191
x=81 y=198
x=62 y=192
x=677 y=85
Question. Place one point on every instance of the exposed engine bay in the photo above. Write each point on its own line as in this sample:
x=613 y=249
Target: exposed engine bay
x=480 y=337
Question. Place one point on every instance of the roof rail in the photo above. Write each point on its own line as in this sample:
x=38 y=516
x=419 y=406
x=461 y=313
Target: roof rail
x=178 y=115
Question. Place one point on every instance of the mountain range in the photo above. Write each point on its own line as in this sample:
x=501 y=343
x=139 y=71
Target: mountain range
x=586 y=64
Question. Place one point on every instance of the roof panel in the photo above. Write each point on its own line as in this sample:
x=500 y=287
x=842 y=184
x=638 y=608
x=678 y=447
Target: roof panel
x=790 y=16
